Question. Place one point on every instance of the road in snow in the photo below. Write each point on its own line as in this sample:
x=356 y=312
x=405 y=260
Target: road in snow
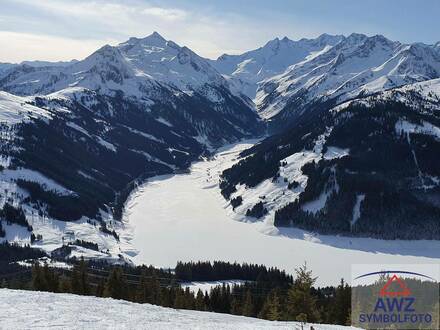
x=43 y=310
x=184 y=217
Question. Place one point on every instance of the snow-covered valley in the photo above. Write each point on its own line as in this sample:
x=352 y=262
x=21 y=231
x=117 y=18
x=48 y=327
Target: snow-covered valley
x=184 y=217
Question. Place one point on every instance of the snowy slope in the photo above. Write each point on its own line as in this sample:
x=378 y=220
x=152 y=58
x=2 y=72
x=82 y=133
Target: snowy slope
x=14 y=110
x=138 y=67
x=277 y=194
x=422 y=94
x=318 y=174
x=4 y=67
x=356 y=66
x=249 y=69
x=27 y=309
x=155 y=73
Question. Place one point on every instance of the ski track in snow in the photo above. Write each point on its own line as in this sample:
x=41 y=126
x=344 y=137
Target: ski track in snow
x=184 y=217
x=44 y=310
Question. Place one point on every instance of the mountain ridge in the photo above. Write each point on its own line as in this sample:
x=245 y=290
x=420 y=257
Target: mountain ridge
x=84 y=134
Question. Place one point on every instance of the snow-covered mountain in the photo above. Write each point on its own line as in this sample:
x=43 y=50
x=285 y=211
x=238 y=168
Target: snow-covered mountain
x=366 y=167
x=356 y=66
x=5 y=67
x=138 y=67
x=77 y=138
x=285 y=78
x=247 y=71
x=48 y=63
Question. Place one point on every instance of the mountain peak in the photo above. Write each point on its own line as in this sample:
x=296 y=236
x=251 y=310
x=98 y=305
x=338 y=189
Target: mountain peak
x=105 y=51
x=381 y=39
x=274 y=41
x=356 y=37
x=153 y=39
x=156 y=35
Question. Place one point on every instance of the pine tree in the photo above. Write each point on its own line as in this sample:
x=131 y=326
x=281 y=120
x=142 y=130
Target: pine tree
x=301 y=305
x=100 y=288
x=274 y=308
x=155 y=291
x=167 y=297
x=79 y=280
x=342 y=303
x=248 y=305
x=200 y=301
x=142 y=292
x=38 y=280
x=50 y=278
x=236 y=306
x=189 y=299
x=64 y=285
x=179 y=301
x=115 y=286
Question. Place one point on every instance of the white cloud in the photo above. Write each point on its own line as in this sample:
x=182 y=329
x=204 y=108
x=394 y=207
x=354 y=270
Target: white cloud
x=167 y=14
x=17 y=47
x=209 y=33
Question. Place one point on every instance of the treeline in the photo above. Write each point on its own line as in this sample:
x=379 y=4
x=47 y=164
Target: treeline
x=298 y=301
x=220 y=270
x=10 y=254
x=398 y=190
x=15 y=215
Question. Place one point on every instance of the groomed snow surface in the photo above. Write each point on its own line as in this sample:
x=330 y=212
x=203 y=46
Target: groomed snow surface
x=43 y=310
x=184 y=218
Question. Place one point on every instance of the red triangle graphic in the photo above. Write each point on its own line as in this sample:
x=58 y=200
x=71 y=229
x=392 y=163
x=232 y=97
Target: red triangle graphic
x=404 y=290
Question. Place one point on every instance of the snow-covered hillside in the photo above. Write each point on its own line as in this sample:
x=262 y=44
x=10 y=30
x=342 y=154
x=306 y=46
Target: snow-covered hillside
x=286 y=77
x=356 y=66
x=250 y=69
x=187 y=216
x=27 y=309
x=278 y=192
x=95 y=128
x=15 y=109
x=326 y=171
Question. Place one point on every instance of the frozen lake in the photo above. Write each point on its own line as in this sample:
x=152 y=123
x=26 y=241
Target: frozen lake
x=184 y=217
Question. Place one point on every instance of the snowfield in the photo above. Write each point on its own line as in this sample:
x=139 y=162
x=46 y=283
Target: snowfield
x=184 y=217
x=43 y=310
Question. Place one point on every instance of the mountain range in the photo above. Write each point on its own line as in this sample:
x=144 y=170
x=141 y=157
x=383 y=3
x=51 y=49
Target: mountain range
x=351 y=126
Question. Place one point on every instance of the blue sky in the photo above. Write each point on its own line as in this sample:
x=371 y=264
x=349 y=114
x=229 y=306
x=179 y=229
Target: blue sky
x=61 y=29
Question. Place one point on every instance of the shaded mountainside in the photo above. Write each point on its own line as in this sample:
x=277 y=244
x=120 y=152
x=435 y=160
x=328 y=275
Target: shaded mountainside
x=369 y=167
x=82 y=135
x=95 y=146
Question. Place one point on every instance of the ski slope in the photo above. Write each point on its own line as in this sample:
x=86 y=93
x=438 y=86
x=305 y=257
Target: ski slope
x=184 y=217
x=43 y=310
